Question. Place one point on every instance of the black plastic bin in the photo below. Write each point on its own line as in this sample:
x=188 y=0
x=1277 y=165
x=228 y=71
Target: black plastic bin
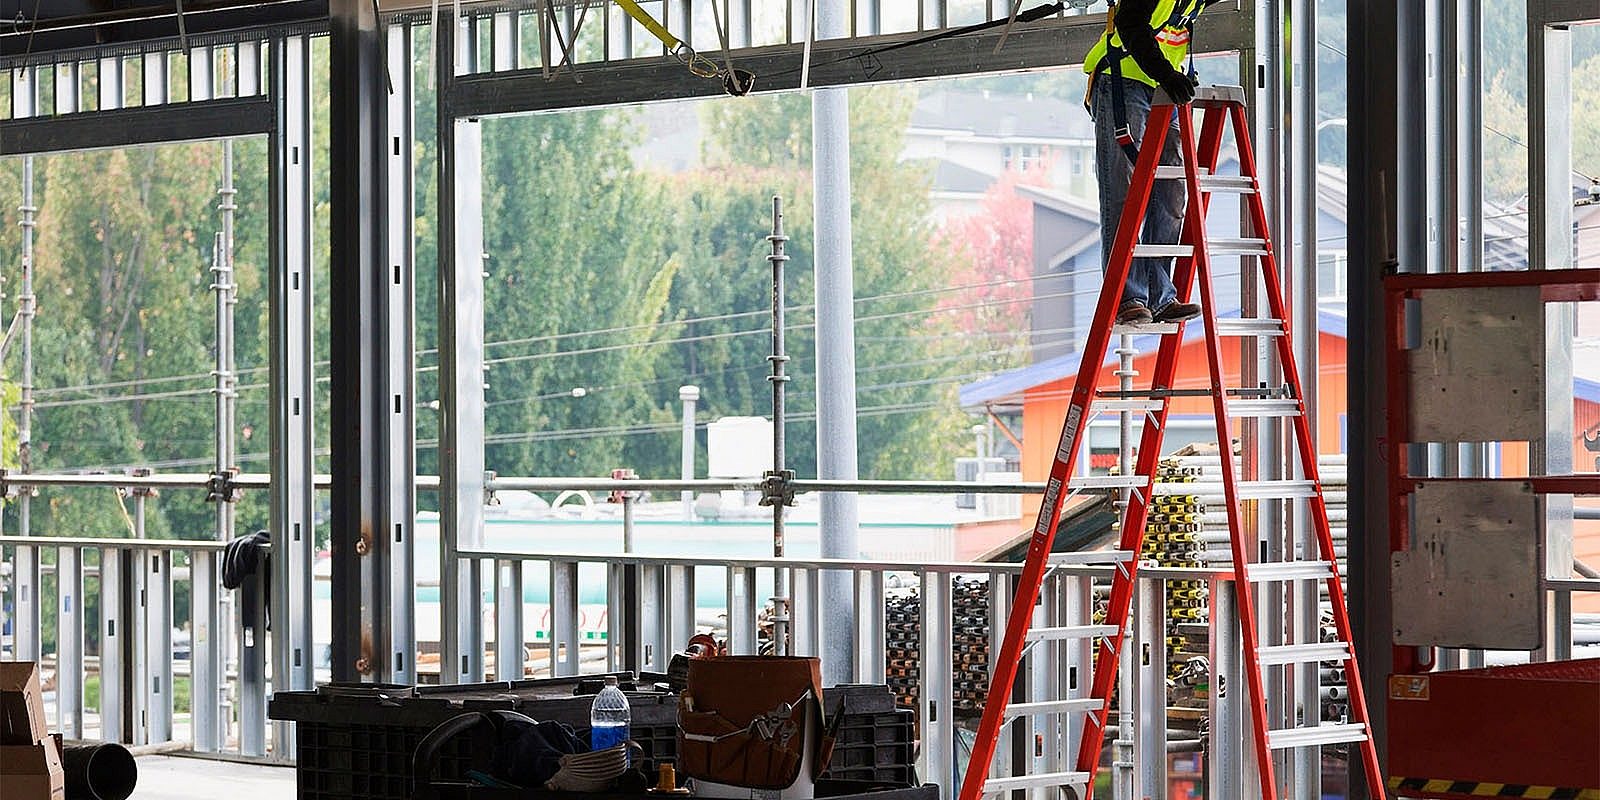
x=356 y=742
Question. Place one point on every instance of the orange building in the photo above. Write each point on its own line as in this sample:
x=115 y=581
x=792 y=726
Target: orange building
x=1040 y=394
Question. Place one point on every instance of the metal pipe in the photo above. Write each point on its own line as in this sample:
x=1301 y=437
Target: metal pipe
x=689 y=395
x=781 y=644
x=1122 y=766
x=27 y=643
x=835 y=341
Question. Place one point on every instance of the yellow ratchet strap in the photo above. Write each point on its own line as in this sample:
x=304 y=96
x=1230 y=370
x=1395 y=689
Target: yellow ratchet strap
x=657 y=29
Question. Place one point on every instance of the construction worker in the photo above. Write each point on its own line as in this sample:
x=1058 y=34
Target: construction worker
x=1145 y=47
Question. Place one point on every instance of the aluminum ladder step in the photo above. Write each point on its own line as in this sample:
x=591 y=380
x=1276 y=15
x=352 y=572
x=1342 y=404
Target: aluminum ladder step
x=1070 y=632
x=1264 y=408
x=1133 y=405
x=1238 y=184
x=1147 y=329
x=1272 y=490
x=1262 y=326
x=1090 y=482
x=1162 y=251
x=1289 y=571
x=1040 y=781
x=1303 y=653
x=1316 y=735
x=1237 y=247
x=1102 y=558
x=1080 y=705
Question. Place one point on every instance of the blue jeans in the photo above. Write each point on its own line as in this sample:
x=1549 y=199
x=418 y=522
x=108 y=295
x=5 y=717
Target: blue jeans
x=1149 y=279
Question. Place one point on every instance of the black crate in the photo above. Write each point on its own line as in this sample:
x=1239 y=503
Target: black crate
x=357 y=742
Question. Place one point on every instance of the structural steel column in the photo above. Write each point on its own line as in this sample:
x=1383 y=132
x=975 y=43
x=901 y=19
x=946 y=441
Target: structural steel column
x=291 y=374
x=400 y=391
x=1302 y=291
x=1550 y=246
x=835 y=345
x=461 y=375
x=1374 y=155
x=360 y=410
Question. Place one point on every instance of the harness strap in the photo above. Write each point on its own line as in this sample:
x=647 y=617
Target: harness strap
x=1112 y=62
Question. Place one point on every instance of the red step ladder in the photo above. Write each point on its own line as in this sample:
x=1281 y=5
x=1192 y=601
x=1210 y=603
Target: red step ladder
x=1221 y=106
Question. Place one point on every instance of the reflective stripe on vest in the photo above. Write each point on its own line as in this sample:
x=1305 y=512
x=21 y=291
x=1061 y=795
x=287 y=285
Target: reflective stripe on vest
x=1173 y=33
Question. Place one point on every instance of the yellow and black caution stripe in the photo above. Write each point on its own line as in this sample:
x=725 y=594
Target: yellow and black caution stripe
x=1486 y=789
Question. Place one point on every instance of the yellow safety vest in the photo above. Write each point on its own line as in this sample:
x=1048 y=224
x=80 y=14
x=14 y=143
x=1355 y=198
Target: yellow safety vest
x=1173 y=22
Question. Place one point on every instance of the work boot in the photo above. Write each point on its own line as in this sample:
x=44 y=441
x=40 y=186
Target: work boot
x=1177 y=312
x=1133 y=314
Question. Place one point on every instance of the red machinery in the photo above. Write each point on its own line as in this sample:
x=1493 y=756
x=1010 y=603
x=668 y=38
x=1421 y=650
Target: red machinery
x=1518 y=731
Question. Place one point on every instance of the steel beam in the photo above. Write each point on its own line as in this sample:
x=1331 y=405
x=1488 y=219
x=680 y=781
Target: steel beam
x=1051 y=43
x=360 y=415
x=157 y=656
x=935 y=710
x=1374 y=156
x=252 y=702
x=291 y=373
x=69 y=642
x=461 y=375
x=565 y=638
x=399 y=394
x=510 y=656
x=1148 y=705
x=1302 y=290
x=126 y=127
x=206 y=638
x=116 y=658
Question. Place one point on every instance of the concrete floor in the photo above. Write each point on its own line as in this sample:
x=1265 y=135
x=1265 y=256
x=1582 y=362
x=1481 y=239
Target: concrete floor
x=175 y=778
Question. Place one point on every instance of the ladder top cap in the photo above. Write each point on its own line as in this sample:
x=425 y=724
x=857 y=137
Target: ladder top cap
x=1206 y=96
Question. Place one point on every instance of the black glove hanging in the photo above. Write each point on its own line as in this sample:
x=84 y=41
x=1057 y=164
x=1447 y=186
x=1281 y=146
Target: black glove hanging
x=1179 y=87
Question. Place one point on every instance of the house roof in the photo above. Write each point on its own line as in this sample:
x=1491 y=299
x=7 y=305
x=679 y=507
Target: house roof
x=998 y=115
x=948 y=176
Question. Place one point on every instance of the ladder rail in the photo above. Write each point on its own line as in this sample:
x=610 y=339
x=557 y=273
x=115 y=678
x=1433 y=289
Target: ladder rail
x=1230 y=490
x=1032 y=578
x=1136 y=513
x=1308 y=463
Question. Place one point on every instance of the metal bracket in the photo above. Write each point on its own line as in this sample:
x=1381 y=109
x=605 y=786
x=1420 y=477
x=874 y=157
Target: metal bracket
x=622 y=495
x=777 y=487
x=489 y=496
x=220 y=488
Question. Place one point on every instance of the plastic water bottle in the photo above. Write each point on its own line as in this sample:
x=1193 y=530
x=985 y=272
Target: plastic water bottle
x=609 y=719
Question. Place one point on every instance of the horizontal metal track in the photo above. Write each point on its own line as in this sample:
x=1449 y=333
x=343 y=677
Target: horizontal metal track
x=1317 y=735
x=1303 y=653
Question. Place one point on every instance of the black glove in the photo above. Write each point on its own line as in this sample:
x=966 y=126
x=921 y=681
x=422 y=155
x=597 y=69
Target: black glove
x=1178 y=86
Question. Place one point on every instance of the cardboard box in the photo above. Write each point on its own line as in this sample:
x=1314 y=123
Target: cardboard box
x=21 y=704
x=32 y=772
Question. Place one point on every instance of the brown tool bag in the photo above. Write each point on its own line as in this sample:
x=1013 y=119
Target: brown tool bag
x=742 y=721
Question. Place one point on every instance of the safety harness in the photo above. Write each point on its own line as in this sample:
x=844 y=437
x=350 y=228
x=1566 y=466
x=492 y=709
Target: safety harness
x=1112 y=62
